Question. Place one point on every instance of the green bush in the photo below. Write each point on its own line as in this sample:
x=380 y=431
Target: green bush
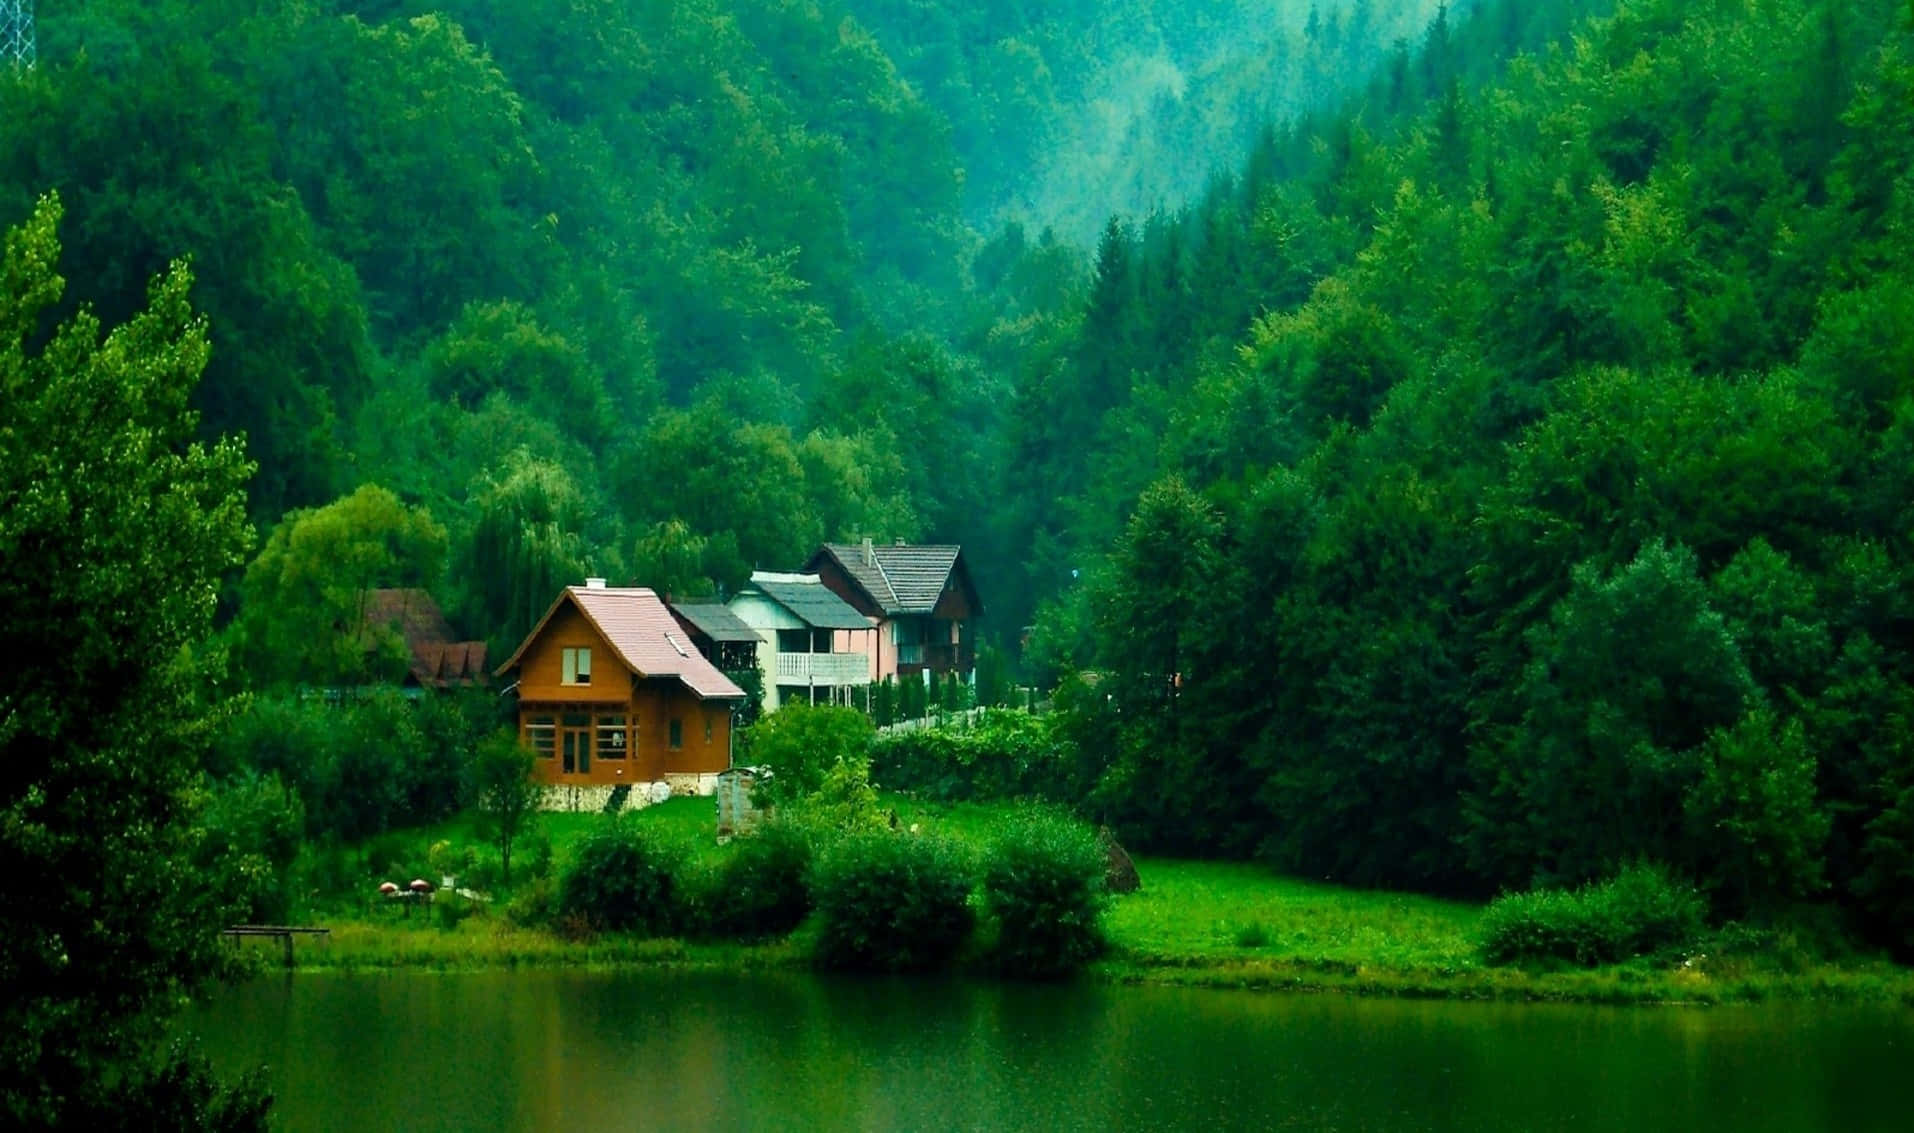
x=1003 y=755
x=760 y=889
x=1043 y=888
x=800 y=745
x=1640 y=911
x=889 y=902
x=535 y=850
x=252 y=837
x=621 y=879
x=534 y=906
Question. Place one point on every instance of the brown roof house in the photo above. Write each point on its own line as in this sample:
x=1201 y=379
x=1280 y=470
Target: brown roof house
x=617 y=703
x=917 y=596
x=408 y=623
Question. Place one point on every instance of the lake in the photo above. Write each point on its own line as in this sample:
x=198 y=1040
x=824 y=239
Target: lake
x=658 y=1049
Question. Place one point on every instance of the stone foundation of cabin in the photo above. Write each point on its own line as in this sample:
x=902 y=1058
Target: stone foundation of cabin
x=569 y=797
x=692 y=783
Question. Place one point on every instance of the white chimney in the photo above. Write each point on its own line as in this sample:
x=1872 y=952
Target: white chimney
x=870 y=552
x=594 y=584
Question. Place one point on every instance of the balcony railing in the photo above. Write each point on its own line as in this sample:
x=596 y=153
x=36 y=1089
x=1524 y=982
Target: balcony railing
x=823 y=669
x=937 y=658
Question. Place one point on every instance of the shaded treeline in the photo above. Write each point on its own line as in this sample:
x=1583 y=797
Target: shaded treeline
x=1552 y=511
x=658 y=291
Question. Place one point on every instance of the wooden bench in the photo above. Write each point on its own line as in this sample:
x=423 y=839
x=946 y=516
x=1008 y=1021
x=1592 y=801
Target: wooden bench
x=284 y=933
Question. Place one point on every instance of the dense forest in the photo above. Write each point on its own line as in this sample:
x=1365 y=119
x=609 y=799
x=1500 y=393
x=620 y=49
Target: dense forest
x=1450 y=446
x=1552 y=513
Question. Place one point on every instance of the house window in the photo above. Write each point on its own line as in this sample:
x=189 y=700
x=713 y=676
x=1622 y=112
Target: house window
x=612 y=737
x=794 y=641
x=577 y=664
x=677 y=735
x=909 y=632
x=541 y=732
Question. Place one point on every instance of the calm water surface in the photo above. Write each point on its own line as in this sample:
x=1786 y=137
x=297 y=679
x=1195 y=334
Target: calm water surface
x=663 y=1050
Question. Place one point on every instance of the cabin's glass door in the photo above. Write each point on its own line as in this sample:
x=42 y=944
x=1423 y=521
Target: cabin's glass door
x=574 y=743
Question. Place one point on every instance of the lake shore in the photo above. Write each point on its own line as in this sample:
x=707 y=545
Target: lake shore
x=1193 y=924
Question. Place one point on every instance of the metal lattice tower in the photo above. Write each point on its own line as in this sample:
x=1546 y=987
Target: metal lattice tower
x=16 y=34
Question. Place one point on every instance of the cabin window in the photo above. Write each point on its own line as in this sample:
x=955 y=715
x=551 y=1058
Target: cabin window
x=612 y=737
x=577 y=666
x=909 y=632
x=794 y=641
x=541 y=732
x=677 y=734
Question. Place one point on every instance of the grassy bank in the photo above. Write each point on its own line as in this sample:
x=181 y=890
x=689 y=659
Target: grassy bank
x=1209 y=924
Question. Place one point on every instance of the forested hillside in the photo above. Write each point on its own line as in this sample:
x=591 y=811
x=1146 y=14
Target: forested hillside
x=654 y=290
x=1552 y=511
x=1462 y=444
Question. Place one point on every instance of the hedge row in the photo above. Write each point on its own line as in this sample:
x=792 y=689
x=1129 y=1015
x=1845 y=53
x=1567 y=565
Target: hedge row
x=1002 y=755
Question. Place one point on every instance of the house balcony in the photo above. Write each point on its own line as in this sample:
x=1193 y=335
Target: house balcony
x=823 y=669
x=936 y=658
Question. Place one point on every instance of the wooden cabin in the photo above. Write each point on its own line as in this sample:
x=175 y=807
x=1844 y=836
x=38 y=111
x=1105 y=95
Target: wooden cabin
x=612 y=693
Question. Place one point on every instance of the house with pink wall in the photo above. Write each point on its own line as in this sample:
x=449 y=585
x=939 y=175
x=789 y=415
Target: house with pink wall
x=917 y=596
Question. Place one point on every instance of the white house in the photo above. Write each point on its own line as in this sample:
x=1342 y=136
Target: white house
x=810 y=648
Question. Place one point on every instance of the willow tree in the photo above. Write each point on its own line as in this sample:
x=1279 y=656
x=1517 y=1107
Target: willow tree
x=115 y=528
x=526 y=545
x=306 y=594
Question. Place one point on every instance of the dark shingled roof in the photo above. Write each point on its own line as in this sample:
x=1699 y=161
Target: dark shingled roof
x=716 y=622
x=906 y=578
x=810 y=600
x=437 y=661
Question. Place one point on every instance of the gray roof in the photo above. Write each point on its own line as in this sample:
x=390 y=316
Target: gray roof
x=905 y=578
x=715 y=621
x=813 y=604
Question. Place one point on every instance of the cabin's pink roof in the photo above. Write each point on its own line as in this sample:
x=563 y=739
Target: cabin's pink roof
x=634 y=621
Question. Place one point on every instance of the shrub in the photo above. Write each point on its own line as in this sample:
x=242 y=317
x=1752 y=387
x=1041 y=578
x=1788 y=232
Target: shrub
x=1004 y=755
x=536 y=850
x=535 y=906
x=621 y=880
x=760 y=889
x=800 y=744
x=1043 y=886
x=889 y=902
x=1640 y=911
x=252 y=836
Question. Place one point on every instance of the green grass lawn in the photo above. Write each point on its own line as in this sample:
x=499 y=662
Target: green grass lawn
x=1232 y=911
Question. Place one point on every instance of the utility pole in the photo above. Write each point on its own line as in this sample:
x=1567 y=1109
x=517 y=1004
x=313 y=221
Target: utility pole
x=16 y=34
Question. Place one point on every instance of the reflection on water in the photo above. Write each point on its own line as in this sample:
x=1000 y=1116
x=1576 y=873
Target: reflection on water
x=664 y=1050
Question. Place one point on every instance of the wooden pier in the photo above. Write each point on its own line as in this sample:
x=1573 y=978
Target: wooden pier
x=284 y=933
